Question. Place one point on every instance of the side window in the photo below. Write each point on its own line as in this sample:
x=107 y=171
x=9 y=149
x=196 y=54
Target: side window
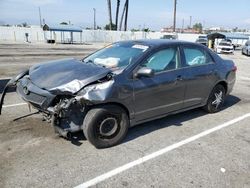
x=162 y=60
x=195 y=56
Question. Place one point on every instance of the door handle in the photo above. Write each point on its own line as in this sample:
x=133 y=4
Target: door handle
x=179 y=78
x=212 y=71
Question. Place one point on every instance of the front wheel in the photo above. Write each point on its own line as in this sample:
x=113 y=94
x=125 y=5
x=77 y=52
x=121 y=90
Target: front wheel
x=216 y=99
x=105 y=126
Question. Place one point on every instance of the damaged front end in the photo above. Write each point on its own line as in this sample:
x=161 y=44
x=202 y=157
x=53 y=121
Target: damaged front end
x=68 y=114
x=62 y=91
x=63 y=107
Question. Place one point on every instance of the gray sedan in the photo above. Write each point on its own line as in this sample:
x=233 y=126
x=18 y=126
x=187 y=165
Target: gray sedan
x=125 y=84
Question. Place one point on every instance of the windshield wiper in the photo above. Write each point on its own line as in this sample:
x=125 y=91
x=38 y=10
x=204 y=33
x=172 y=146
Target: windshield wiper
x=89 y=61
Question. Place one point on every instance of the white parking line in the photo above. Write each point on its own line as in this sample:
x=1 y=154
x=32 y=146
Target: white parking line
x=139 y=161
x=4 y=78
x=13 y=105
x=244 y=78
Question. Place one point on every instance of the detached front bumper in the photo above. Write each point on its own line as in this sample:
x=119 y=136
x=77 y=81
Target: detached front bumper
x=11 y=84
x=37 y=97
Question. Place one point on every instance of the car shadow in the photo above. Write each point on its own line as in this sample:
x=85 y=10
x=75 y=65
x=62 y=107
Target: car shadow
x=172 y=120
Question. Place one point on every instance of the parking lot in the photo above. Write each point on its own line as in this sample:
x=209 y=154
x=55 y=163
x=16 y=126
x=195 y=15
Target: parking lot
x=191 y=149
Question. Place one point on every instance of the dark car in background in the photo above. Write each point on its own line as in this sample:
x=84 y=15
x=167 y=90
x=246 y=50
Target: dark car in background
x=202 y=41
x=170 y=36
x=125 y=84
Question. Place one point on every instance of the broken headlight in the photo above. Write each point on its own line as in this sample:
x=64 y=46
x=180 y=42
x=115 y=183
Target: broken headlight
x=96 y=91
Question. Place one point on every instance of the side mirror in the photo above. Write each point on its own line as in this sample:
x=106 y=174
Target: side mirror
x=144 y=72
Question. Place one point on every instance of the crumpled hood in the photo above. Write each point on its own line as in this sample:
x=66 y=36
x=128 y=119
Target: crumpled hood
x=66 y=76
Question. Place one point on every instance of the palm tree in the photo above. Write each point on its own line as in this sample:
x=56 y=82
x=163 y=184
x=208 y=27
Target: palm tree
x=117 y=13
x=110 y=14
x=124 y=12
x=126 y=16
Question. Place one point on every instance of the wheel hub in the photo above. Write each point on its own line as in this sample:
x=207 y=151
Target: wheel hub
x=218 y=99
x=108 y=126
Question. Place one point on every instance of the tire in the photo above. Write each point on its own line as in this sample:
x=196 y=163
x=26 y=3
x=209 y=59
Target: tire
x=106 y=126
x=214 y=105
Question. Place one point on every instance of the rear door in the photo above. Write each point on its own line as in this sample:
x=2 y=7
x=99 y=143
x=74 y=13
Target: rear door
x=163 y=92
x=199 y=71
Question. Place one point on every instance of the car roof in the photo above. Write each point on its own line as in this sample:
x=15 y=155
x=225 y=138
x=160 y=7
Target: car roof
x=157 y=42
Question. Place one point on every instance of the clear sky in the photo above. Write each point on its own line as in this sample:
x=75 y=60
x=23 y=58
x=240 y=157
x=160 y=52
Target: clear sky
x=154 y=14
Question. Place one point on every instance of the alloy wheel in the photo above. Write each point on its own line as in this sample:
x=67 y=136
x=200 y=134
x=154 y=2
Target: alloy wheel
x=218 y=99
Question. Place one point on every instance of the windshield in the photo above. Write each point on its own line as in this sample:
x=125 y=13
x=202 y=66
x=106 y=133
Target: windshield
x=202 y=37
x=225 y=44
x=201 y=40
x=116 y=55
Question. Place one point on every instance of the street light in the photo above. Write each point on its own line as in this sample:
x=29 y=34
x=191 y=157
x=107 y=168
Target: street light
x=94 y=18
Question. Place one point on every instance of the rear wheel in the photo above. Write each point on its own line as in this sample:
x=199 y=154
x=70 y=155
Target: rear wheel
x=106 y=126
x=216 y=99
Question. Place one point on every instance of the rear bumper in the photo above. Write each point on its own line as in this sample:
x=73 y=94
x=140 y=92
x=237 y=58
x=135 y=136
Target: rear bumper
x=231 y=79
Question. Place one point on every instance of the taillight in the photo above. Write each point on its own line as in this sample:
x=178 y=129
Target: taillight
x=234 y=68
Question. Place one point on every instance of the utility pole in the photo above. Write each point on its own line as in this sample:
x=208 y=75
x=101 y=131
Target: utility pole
x=190 y=22
x=40 y=17
x=174 y=24
x=183 y=23
x=94 y=18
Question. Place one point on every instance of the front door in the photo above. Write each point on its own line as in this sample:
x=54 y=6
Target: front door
x=162 y=93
